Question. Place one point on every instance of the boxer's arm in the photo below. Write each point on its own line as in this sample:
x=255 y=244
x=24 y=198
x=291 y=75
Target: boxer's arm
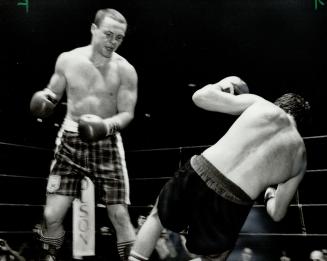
x=280 y=199
x=57 y=83
x=44 y=102
x=212 y=97
x=126 y=98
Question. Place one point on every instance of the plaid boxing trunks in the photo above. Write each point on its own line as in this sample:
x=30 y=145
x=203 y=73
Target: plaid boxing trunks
x=102 y=161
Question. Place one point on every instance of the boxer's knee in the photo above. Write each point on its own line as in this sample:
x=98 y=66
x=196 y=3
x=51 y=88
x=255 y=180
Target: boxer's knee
x=52 y=218
x=55 y=210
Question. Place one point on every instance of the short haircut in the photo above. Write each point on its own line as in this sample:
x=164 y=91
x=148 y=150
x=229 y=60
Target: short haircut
x=112 y=13
x=294 y=105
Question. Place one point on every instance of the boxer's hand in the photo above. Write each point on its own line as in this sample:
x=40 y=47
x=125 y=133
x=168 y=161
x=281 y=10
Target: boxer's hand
x=270 y=193
x=241 y=88
x=228 y=90
x=43 y=103
x=233 y=85
x=92 y=128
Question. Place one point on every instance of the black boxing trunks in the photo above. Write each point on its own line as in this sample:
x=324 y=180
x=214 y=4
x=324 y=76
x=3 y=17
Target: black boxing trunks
x=102 y=161
x=204 y=202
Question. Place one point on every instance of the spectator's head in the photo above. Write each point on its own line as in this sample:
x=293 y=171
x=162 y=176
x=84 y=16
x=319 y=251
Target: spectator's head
x=140 y=220
x=324 y=252
x=247 y=254
x=316 y=255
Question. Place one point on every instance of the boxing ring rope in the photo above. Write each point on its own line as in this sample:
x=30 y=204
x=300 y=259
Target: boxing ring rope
x=132 y=179
x=147 y=206
x=180 y=150
x=23 y=146
x=315 y=170
x=143 y=150
x=315 y=137
x=300 y=206
x=20 y=176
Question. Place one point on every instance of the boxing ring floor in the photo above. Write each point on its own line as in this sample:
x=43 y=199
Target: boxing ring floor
x=23 y=176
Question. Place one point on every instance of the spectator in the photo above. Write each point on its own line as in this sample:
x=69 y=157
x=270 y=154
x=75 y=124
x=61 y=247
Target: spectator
x=170 y=245
x=140 y=221
x=324 y=252
x=8 y=254
x=247 y=254
x=316 y=255
x=284 y=257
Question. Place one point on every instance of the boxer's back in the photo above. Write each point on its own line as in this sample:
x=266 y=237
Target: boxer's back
x=261 y=148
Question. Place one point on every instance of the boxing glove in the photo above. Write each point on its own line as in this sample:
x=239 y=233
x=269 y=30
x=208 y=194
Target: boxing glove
x=92 y=128
x=240 y=88
x=43 y=103
x=233 y=85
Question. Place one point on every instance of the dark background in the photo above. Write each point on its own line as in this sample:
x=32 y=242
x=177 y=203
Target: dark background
x=176 y=46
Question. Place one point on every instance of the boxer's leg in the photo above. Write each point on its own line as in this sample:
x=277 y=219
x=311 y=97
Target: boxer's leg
x=147 y=237
x=125 y=232
x=51 y=233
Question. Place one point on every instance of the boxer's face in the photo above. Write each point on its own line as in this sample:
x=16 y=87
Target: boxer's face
x=107 y=37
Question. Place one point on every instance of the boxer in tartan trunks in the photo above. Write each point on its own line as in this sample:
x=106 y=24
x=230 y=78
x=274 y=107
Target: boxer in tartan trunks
x=101 y=90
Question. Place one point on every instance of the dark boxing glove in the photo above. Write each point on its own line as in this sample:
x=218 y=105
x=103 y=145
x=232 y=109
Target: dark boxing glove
x=240 y=88
x=43 y=103
x=93 y=128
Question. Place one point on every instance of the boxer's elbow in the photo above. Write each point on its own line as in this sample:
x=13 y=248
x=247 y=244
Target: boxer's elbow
x=277 y=213
x=126 y=119
x=200 y=98
x=277 y=217
x=195 y=98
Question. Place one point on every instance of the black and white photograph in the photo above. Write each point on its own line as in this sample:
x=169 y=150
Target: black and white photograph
x=164 y=130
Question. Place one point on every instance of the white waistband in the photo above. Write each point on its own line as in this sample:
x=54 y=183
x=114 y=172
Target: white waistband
x=70 y=125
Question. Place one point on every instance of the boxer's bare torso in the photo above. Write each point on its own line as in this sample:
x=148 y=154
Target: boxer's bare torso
x=92 y=89
x=261 y=148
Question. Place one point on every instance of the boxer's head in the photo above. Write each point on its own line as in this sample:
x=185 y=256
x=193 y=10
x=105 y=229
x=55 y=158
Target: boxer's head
x=112 y=13
x=294 y=105
x=108 y=31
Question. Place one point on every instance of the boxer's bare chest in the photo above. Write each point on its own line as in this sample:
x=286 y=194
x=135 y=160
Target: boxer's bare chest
x=92 y=89
x=84 y=78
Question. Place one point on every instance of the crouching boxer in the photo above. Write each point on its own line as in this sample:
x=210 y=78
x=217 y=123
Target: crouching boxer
x=101 y=88
x=210 y=197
